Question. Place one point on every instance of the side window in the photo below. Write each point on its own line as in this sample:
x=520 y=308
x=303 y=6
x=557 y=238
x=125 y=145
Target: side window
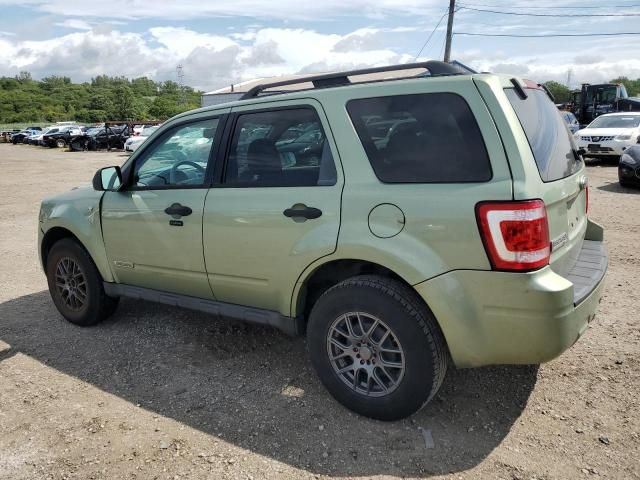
x=179 y=158
x=280 y=148
x=422 y=138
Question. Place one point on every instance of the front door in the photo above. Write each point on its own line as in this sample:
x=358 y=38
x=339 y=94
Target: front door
x=153 y=228
x=276 y=209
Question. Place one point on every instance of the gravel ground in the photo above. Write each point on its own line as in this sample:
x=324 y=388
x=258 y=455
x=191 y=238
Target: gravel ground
x=158 y=392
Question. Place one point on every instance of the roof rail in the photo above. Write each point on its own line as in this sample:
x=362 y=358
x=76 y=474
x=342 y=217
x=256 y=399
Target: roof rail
x=434 y=67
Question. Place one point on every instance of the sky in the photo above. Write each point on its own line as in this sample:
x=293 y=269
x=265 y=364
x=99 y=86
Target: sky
x=228 y=41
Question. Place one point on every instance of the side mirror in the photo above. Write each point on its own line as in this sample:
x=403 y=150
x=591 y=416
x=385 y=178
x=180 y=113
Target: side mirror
x=107 y=179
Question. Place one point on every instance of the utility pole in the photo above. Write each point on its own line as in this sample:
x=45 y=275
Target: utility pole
x=447 y=48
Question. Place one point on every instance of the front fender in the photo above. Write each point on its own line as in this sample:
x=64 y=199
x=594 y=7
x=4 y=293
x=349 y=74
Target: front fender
x=78 y=211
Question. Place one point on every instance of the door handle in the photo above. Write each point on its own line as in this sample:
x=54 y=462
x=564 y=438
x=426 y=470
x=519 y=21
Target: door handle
x=300 y=210
x=176 y=210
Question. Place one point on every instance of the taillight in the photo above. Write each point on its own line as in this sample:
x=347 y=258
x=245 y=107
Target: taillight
x=586 y=199
x=515 y=234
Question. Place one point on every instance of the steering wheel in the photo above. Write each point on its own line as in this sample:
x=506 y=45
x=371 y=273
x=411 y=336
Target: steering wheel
x=173 y=174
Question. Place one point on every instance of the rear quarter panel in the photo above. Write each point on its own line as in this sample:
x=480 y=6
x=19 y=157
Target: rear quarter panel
x=440 y=232
x=564 y=199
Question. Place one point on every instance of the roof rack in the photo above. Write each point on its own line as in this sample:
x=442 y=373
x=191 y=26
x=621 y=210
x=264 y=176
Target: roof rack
x=434 y=67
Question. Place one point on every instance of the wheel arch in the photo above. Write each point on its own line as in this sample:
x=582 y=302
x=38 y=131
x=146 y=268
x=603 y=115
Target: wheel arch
x=57 y=233
x=316 y=281
x=51 y=237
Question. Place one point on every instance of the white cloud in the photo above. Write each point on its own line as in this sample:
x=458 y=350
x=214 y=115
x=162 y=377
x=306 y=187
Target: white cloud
x=189 y=9
x=211 y=61
x=182 y=41
x=74 y=24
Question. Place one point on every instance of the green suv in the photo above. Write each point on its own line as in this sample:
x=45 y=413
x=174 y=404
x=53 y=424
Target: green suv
x=403 y=224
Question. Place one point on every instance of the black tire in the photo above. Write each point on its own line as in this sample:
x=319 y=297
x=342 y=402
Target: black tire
x=60 y=143
x=97 y=305
x=409 y=320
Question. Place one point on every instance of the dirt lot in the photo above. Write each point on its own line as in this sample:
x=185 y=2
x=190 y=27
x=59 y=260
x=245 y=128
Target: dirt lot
x=158 y=392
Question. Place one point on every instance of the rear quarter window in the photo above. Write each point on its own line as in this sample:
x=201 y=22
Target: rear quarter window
x=550 y=141
x=421 y=138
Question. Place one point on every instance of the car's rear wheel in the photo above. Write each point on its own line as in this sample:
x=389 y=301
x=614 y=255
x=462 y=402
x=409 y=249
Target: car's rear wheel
x=376 y=347
x=60 y=143
x=76 y=286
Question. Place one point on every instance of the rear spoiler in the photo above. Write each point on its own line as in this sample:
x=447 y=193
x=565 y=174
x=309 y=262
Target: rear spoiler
x=520 y=89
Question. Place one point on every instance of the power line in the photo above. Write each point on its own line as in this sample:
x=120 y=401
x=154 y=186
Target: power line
x=431 y=35
x=579 y=7
x=444 y=43
x=550 y=35
x=523 y=14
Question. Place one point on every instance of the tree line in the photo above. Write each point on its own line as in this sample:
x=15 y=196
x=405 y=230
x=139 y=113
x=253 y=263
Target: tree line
x=562 y=93
x=56 y=98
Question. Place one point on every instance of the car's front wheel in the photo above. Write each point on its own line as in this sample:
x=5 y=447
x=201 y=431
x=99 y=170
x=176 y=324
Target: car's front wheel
x=76 y=286
x=60 y=143
x=376 y=347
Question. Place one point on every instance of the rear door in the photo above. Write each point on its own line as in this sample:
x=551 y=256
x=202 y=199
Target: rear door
x=560 y=179
x=276 y=207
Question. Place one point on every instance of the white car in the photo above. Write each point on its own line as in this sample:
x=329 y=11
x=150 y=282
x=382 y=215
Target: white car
x=609 y=135
x=132 y=143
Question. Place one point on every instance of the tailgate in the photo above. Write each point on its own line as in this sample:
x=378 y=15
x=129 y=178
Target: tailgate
x=566 y=202
x=560 y=179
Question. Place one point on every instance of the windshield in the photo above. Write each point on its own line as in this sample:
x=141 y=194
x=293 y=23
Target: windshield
x=617 y=121
x=602 y=94
x=148 y=131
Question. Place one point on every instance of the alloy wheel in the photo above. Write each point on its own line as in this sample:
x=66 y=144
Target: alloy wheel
x=71 y=283
x=365 y=354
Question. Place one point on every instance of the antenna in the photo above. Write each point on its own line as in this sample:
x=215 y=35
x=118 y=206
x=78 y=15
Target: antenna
x=180 y=77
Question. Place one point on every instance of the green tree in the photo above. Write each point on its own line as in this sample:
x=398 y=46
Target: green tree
x=560 y=92
x=104 y=98
x=632 y=86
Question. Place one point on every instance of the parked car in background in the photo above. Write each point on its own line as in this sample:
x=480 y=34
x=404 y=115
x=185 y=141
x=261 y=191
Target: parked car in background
x=570 y=119
x=62 y=137
x=629 y=167
x=132 y=143
x=609 y=135
x=108 y=137
x=37 y=138
x=22 y=134
x=461 y=238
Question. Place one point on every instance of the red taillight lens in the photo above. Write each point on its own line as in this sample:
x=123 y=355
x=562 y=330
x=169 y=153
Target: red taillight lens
x=515 y=234
x=586 y=199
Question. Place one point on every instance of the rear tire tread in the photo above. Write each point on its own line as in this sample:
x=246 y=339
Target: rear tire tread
x=417 y=311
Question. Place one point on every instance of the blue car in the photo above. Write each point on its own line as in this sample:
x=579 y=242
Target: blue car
x=571 y=121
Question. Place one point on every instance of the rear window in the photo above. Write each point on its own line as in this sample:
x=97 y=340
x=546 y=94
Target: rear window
x=423 y=138
x=548 y=136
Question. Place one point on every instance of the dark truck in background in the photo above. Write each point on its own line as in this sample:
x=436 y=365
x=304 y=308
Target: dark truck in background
x=591 y=101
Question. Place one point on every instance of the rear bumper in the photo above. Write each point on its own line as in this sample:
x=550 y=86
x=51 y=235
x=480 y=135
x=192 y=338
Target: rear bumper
x=493 y=318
